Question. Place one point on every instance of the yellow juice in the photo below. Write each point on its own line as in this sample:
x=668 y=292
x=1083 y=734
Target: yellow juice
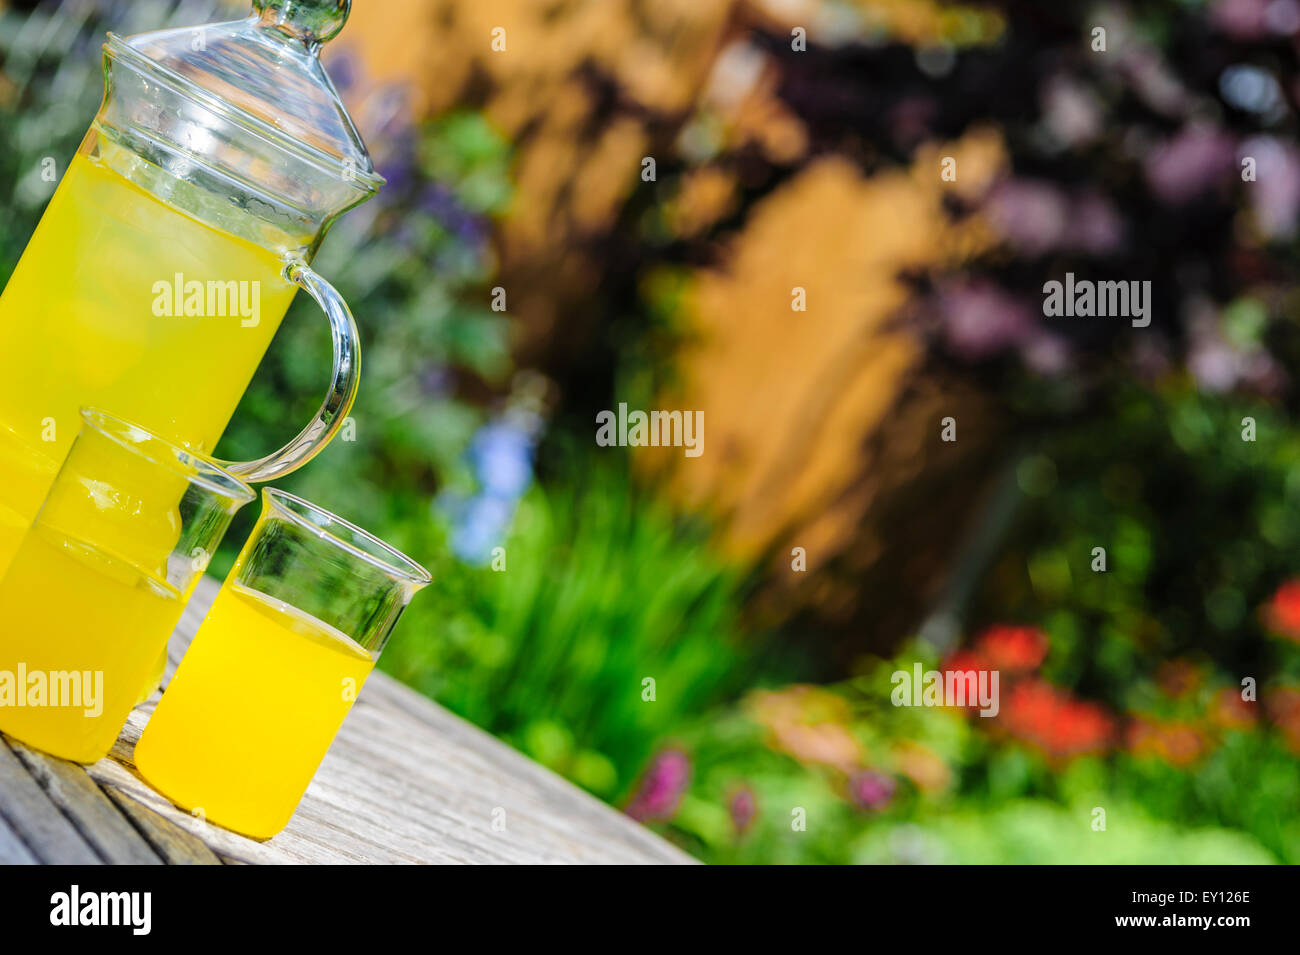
x=26 y=475
x=89 y=317
x=251 y=711
x=12 y=527
x=72 y=616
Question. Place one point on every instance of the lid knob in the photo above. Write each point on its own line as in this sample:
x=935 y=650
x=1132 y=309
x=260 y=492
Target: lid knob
x=311 y=21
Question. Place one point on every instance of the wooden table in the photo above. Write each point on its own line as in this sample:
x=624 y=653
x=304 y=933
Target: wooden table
x=404 y=782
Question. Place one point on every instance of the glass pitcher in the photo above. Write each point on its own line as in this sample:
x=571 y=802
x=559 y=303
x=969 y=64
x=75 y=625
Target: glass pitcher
x=176 y=240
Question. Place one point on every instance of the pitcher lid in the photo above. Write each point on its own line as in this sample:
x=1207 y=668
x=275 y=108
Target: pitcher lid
x=266 y=68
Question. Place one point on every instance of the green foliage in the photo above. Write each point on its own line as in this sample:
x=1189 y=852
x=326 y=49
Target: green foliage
x=1003 y=803
x=1151 y=476
x=411 y=265
x=1154 y=477
x=1247 y=783
x=1032 y=832
x=602 y=590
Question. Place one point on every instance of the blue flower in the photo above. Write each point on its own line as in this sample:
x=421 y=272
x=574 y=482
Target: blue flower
x=501 y=456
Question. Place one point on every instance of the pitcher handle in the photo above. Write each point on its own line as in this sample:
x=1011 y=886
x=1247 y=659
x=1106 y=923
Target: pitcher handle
x=338 y=400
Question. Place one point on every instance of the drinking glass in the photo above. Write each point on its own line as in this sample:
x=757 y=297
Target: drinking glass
x=98 y=582
x=274 y=669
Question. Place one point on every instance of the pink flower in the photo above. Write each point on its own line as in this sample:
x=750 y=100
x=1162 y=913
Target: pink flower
x=1246 y=19
x=872 y=790
x=1032 y=216
x=979 y=319
x=744 y=807
x=1197 y=160
x=1275 y=193
x=1096 y=226
x=662 y=787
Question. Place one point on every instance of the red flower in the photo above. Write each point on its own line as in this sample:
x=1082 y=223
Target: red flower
x=1282 y=612
x=1012 y=648
x=970 y=664
x=1054 y=721
x=1283 y=705
x=1229 y=711
x=965 y=661
x=1178 y=677
x=1178 y=744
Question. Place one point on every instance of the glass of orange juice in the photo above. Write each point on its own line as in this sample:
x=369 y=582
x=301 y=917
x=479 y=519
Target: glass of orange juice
x=274 y=669
x=98 y=582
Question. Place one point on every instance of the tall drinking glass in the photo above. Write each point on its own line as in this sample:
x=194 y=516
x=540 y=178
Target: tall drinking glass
x=274 y=669
x=98 y=582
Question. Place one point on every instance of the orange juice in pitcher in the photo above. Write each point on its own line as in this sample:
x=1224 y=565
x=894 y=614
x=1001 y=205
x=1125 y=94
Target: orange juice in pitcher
x=174 y=244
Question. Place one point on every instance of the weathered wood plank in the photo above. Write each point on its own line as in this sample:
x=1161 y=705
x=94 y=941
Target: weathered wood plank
x=40 y=824
x=405 y=782
x=173 y=844
x=472 y=781
x=98 y=820
x=576 y=820
x=110 y=773
x=12 y=849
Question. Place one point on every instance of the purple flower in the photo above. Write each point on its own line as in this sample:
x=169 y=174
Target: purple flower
x=1241 y=19
x=442 y=203
x=661 y=788
x=1219 y=365
x=1282 y=17
x=1275 y=193
x=1096 y=226
x=1071 y=111
x=872 y=790
x=1032 y=216
x=343 y=69
x=979 y=319
x=397 y=160
x=1195 y=161
x=1214 y=365
x=1153 y=81
x=1045 y=354
x=744 y=806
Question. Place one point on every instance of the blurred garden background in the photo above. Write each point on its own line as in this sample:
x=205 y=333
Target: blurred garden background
x=707 y=642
